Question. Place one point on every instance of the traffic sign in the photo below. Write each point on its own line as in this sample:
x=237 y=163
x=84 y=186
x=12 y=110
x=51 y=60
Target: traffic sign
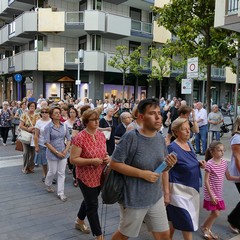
x=192 y=67
x=18 y=77
x=186 y=87
x=77 y=82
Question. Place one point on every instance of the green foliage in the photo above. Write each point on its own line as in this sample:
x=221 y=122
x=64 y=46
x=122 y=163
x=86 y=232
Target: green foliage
x=125 y=62
x=192 y=22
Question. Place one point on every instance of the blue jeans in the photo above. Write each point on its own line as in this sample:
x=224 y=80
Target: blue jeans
x=216 y=134
x=202 y=137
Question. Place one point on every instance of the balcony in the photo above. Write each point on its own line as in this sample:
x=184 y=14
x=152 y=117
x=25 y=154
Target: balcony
x=25 y=61
x=232 y=6
x=4 y=63
x=9 y=8
x=94 y=61
x=22 y=28
x=94 y=21
x=227 y=14
x=52 y=60
x=141 y=29
x=4 y=32
x=218 y=73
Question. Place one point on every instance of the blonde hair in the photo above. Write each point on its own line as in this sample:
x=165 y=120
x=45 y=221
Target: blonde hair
x=135 y=112
x=177 y=124
x=236 y=126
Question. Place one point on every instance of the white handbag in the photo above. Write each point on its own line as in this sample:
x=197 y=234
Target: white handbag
x=107 y=134
x=24 y=136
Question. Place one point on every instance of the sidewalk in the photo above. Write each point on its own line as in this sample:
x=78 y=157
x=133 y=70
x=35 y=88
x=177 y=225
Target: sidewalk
x=27 y=211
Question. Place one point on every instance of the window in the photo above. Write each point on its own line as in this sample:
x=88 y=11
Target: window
x=97 y=4
x=135 y=14
x=83 y=5
x=96 y=42
x=133 y=46
x=83 y=42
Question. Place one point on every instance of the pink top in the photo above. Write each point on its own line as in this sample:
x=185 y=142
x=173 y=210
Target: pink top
x=216 y=178
x=89 y=174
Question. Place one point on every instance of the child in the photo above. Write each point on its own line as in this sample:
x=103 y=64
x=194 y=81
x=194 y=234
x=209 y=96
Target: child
x=215 y=170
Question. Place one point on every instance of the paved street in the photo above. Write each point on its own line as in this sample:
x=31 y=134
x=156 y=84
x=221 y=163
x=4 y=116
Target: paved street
x=27 y=211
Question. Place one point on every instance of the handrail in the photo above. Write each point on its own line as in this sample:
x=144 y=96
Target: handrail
x=75 y=17
x=232 y=6
x=140 y=26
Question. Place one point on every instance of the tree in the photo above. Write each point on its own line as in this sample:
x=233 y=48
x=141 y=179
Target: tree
x=162 y=63
x=126 y=62
x=192 y=22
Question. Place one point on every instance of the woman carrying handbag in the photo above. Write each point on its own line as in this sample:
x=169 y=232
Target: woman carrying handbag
x=27 y=123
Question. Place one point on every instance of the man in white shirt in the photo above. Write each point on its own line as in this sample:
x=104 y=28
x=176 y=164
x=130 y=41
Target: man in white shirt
x=202 y=120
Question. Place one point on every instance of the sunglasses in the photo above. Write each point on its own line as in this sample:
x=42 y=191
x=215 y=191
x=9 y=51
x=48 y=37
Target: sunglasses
x=44 y=112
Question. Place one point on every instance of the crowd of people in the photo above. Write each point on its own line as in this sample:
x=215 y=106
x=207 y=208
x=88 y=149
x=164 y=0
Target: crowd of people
x=84 y=137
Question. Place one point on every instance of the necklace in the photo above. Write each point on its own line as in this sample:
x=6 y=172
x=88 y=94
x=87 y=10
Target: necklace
x=109 y=122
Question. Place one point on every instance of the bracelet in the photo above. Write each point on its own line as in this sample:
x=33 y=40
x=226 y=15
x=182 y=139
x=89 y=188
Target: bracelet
x=56 y=152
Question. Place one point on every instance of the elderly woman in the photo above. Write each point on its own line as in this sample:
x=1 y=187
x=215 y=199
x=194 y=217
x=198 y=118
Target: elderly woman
x=57 y=140
x=234 y=216
x=185 y=179
x=27 y=122
x=5 y=122
x=89 y=154
x=109 y=124
x=40 y=148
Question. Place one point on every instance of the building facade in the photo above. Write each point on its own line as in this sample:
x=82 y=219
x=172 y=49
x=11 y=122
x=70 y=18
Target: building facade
x=41 y=43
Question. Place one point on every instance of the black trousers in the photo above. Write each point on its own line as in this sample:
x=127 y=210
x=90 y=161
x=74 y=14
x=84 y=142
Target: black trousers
x=89 y=207
x=4 y=132
x=234 y=216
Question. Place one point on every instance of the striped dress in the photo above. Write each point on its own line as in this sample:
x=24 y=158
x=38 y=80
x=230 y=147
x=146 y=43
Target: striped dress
x=216 y=179
x=185 y=181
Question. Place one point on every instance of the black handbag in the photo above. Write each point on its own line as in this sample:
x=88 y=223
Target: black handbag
x=112 y=187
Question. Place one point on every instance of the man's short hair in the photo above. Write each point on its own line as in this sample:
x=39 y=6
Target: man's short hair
x=147 y=102
x=124 y=115
x=184 y=110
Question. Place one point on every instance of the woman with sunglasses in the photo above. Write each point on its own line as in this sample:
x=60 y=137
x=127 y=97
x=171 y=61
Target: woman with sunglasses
x=40 y=148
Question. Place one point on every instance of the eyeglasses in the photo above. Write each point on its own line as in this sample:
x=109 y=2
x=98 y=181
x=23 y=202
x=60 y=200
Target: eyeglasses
x=44 y=112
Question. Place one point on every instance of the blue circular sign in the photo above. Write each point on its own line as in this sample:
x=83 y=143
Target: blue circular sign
x=18 y=77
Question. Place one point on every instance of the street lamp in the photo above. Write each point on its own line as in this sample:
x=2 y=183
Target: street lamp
x=78 y=81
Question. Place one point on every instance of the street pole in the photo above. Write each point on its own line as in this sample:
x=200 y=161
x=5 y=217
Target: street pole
x=237 y=84
x=80 y=56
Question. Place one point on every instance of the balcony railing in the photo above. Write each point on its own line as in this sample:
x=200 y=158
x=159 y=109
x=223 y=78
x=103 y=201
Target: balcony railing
x=74 y=17
x=142 y=27
x=70 y=57
x=232 y=6
x=12 y=28
x=218 y=72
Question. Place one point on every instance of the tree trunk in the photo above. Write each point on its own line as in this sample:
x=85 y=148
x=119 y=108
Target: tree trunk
x=123 y=87
x=160 y=88
x=208 y=90
x=136 y=89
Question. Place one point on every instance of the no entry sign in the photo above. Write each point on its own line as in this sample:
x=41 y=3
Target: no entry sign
x=192 y=68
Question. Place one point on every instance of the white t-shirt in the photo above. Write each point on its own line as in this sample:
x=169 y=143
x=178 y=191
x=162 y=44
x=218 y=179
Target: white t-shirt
x=69 y=126
x=201 y=114
x=40 y=124
x=233 y=168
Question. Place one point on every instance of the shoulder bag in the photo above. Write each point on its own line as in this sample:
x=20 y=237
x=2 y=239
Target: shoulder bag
x=24 y=136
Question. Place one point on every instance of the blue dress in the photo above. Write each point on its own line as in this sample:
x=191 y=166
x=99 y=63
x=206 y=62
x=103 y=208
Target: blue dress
x=185 y=181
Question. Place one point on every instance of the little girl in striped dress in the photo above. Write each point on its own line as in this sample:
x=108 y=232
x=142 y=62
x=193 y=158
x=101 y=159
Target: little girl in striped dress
x=216 y=169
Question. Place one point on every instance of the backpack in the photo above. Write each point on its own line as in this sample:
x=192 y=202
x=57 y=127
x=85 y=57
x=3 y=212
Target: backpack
x=113 y=183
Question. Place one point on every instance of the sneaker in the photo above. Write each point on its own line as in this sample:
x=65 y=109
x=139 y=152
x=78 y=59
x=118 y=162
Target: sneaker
x=4 y=144
x=62 y=197
x=12 y=143
x=54 y=181
x=82 y=227
x=50 y=189
x=36 y=165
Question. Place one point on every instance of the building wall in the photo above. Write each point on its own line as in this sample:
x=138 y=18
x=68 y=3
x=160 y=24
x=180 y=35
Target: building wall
x=220 y=12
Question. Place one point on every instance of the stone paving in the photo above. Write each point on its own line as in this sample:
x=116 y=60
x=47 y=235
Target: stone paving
x=28 y=212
